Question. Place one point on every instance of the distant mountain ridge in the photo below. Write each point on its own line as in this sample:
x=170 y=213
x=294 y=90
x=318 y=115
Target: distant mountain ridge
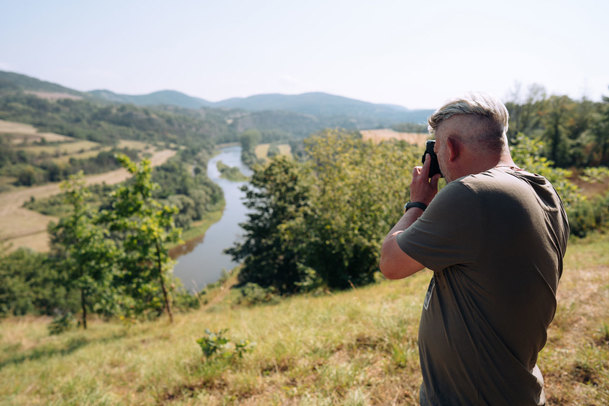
x=17 y=81
x=317 y=104
x=162 y=97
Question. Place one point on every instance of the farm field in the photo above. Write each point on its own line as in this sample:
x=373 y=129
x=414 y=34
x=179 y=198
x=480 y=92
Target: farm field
x=25 y=228
x=262 y=150
x=20 y=227
x=387 y=134
x=25 y=133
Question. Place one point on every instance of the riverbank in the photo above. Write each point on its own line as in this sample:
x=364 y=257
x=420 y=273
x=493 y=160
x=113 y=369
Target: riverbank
x=196 y=232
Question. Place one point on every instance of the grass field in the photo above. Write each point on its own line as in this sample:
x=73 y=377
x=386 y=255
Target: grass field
x=350 y=348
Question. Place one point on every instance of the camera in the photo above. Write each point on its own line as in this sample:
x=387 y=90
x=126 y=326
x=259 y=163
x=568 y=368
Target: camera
x=434 y=167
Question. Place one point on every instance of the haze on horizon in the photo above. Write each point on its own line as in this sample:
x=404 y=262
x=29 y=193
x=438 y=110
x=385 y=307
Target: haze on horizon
x=401 y=52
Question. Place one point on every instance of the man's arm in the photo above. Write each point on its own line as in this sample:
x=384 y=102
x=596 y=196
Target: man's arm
x=395 y=263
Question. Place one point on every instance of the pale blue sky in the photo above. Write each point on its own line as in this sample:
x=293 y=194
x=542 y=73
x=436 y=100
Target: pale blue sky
x=412 y=53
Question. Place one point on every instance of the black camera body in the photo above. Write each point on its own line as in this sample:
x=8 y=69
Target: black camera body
x=434 y=167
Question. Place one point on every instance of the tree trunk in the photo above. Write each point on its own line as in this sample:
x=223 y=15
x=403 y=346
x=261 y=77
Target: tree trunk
x=83 y=303
x=162 y=280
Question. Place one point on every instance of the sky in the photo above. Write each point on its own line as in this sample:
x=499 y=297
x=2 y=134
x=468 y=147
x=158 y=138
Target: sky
x=416 y=54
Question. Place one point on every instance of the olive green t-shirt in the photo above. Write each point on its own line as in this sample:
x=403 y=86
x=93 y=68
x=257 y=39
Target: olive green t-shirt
x=495 y=242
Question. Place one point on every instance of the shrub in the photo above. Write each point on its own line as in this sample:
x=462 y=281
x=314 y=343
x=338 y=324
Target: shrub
x=218 y=346
x=61 y=323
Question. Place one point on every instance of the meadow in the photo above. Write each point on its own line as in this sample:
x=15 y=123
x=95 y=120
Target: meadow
x=356 y=347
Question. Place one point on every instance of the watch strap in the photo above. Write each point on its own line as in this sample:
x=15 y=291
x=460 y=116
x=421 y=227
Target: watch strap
x=409 y=205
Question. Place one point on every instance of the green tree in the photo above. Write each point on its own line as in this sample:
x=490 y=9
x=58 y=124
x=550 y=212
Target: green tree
x=525 y=111
x=277 y=197
x=359 y=191
x=84 y=253
x=28 y=284
x=600 y=133
x=145 y=228
x=555 y=118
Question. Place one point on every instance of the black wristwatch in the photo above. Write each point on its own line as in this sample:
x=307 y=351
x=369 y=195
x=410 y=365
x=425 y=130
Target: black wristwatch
x=409 y=205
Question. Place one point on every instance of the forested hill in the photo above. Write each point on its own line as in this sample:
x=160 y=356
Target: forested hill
x=163 y=97
x=317 y=104
x=283 y=115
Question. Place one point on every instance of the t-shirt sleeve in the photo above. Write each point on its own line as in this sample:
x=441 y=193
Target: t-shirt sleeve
x=448 y=233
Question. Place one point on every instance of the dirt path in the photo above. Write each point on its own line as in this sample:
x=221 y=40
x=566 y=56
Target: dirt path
x=25 y=228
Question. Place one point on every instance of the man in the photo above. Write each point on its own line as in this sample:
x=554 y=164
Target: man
x=495 y=238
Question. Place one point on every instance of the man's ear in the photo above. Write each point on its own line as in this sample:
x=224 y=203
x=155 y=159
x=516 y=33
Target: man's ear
x=454 y=148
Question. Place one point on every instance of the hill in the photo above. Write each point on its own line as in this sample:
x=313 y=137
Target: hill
x=163 y=97
x=357 y=347
x=276 y=116
x=11 y=81
x=326 y=105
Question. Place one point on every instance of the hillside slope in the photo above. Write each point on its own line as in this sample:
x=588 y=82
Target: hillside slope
x=341 y=348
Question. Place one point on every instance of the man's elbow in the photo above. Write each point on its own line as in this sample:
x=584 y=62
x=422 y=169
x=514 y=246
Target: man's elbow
x=394 y=265
x=390 y=271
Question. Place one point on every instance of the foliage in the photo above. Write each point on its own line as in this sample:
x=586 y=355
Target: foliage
x=575 y=133
x=82 y=251
x=61 y=323
x=359 y=189
x=145 y=228
x=29 y=285
x=253 y=294
x=595 y=174
x=327 y=214
x=249 y=139
x=217 y=345
x=277 y=198
x=108 y=123
x=231 y=173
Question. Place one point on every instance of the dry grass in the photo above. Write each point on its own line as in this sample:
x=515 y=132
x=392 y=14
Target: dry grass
x=388 y=134
x=350 y=348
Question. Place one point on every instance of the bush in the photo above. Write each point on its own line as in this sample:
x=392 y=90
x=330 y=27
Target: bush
x=61 y=323
x=218 y=346
x=253 y=294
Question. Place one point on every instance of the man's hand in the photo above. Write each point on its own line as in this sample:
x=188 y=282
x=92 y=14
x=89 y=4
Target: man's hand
x=395 y=263
x=423 y=189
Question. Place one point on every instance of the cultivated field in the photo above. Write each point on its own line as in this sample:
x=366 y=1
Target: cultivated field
x=64 y=148
x=387 y=134
x=25 y=228
x=54 y=95
x=25 y=133
x=345 y=348
x=262 y=150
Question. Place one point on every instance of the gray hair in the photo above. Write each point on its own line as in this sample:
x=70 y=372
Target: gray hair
x=490 y=110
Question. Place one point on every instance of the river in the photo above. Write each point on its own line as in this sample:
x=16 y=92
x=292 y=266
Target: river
x=205 y=262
